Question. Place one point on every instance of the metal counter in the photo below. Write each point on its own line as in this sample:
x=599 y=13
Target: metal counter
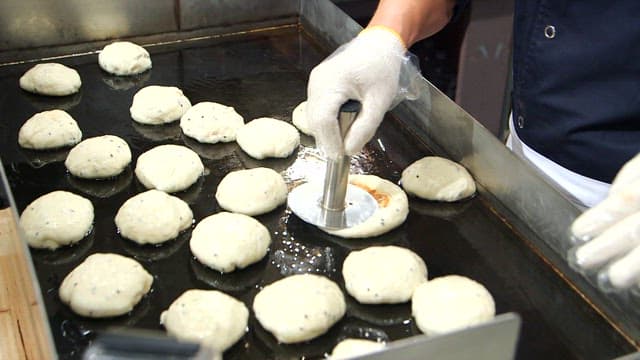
x=510 y=237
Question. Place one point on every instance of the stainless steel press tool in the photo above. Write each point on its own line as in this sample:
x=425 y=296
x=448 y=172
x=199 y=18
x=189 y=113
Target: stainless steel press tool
x=337 y=204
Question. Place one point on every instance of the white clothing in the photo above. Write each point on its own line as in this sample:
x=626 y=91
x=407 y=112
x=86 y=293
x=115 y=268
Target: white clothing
x=579 y=189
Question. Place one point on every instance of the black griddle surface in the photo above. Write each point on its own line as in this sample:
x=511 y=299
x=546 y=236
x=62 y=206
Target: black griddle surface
x=265 y=74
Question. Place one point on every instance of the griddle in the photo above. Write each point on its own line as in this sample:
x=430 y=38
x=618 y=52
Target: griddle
x=264 y=73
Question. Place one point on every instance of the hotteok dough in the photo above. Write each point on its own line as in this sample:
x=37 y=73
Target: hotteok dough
x=208 y=317
x=210 y=122
x=153 y=217
x=99 y=157
x=227 y=241
x=56 y=219
x=169 y=168
x=393 y=208
x=299 y=118
x=267 y=137
x=450 y=303
x=105 y=285
x=49 y=130
x=383 y=274
x=51 y=79
x=299 y=307
x=124 y=58
x=350 y=348
x=437 y=178
x=156 y=105
x=252 y=192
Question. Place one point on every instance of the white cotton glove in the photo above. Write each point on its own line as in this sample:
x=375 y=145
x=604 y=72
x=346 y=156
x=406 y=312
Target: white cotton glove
x=611 y=232
x=373 y=68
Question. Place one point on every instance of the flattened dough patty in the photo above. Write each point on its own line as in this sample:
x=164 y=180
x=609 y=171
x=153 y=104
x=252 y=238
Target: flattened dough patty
x=156 y=105
x=124 y=58
x=383 y=274
x=49 y=130
x=208 y=317
x=153 y=217
x=350 y=348
x=56 y=219
x=99 y=157
x=267 y=137
x=439 y=179
x=450 y=303
x=227 y=241
x=105 y=285
x=169 y=168
x=51 y=79
x=252 y=192
x=393 y=208
x=299 y=307
x=299 y=118
x=210 y=122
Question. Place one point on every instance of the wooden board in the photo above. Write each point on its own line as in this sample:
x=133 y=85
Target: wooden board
x=23 y=328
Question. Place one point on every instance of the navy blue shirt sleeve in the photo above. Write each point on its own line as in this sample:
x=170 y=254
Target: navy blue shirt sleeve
x=458 y=8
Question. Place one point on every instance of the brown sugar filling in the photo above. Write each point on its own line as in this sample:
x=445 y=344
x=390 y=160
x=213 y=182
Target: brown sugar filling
x=381 y=198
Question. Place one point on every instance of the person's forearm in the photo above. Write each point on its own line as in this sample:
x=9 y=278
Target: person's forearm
x=413 y=20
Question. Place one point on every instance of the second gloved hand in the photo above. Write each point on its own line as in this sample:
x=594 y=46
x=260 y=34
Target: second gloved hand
x=370 y=69
x=611 y=232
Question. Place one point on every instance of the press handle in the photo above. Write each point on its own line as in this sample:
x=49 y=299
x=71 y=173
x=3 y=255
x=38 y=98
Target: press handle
x=337 y=171
x=347 y=115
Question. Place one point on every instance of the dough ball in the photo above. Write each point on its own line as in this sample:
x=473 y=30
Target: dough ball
x=207 y=317
x=51 y=79
x=99 y=157
x=299 y=118
x=266 y=137
x=450 y=303
x=124 y=58
x=49 y=130
x=383 y=274
x=351 y=348
x=393 y=208
x=155 y=105
x=210 y=122
x=439 y=179
x=153 y=217
x=105 y=285
x=169 y=168
x=252 y=192
x=227 y=241
x=56 y=219
x=299 y=307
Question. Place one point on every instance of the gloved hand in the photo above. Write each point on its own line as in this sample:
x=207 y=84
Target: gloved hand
x=373 y=68
x=611 y=231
